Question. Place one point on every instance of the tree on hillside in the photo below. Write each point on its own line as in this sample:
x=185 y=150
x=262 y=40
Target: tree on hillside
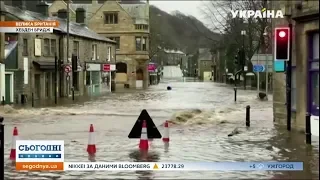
x=220 y=16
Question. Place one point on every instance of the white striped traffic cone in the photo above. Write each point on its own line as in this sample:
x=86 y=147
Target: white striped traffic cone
x=13 y=145
x=166 y=132
x=91 y=149
x=144 y=144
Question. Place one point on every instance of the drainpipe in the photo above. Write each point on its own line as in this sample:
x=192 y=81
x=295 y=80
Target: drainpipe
x=2 y=37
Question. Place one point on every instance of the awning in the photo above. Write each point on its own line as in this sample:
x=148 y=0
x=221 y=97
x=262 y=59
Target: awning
x=44 y=65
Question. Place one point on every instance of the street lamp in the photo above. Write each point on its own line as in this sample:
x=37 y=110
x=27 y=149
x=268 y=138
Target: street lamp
x=266 y=35
x=244 y=68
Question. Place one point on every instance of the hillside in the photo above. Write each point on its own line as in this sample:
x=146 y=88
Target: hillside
x=177 y=30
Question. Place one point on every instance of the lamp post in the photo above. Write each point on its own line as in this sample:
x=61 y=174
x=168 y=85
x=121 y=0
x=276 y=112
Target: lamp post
x=244 y=68
x=266 y=35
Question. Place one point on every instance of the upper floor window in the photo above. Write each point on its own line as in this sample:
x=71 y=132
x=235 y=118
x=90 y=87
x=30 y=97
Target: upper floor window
x=141 y=43
x=109 y=54
x=144 y=44
x=94 y=52
x=49 y=47
x=25 y=47
x=75 y=48
x=117 y=39
x=138 y=43
x=111 y=18
x=141 y=26
x=53 y=47
x=46 y=47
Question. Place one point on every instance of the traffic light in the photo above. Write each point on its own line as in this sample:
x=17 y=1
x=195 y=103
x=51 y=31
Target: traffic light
x=236 y=61
x=282 y=40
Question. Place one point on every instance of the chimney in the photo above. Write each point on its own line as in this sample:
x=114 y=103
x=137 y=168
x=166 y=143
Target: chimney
x=63 y=14
x=19 y=4
x=80 y=15
x=43 y=8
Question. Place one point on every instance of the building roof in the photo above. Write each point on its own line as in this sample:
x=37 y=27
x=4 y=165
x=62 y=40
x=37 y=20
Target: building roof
x=75 y=29
x=204 y=54
x=136 y=10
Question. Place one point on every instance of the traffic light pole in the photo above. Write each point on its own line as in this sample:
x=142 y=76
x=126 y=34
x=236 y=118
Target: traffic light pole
x=289 y=78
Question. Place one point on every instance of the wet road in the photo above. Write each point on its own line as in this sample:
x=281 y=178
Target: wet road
x=196 y=136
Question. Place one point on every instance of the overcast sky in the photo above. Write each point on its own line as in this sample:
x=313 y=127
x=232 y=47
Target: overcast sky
x=187 y=7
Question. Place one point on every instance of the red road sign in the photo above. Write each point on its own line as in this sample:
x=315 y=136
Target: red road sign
x=106 y=67
x=67 y=69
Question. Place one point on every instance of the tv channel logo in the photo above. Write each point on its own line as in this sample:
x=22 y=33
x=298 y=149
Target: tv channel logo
x=39 y=155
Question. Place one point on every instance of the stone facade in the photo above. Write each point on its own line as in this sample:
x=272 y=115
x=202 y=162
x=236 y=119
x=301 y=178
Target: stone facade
x=304 y=20
x=132 y=22
x=40 y=60
x=205 y=64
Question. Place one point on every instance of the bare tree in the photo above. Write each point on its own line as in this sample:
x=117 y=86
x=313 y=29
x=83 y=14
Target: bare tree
x=218 y=14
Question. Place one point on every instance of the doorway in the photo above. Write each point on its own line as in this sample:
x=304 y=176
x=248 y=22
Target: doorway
x=9 y=87
x=37 y=86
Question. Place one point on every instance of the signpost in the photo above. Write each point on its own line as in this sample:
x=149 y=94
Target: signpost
x=267 y=60
x=258 y=68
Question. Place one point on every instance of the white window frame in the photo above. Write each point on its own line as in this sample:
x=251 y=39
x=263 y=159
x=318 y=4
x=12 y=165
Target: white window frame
x=94 y=52
x=109 y=53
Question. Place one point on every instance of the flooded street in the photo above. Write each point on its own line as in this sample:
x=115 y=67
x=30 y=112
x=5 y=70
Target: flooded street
x=204 y=113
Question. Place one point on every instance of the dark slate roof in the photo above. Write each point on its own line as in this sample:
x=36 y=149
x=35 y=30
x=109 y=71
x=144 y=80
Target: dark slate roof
x=75 y=29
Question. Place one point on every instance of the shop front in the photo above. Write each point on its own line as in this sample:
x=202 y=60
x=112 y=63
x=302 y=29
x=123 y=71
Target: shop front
x=313 y=82
x=107 y=77
x=152 y=69
x=93 y=79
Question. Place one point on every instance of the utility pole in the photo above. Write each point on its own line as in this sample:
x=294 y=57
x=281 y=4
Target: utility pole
x=68 y=19
x=2 y=55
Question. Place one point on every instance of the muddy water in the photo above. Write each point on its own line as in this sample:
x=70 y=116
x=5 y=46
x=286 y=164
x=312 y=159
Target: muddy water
x=202 y=115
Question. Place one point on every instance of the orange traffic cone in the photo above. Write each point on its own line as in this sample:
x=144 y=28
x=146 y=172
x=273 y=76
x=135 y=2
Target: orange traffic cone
x=91 y=149
x=144 y=145
x=166 y=132
x=13 y=146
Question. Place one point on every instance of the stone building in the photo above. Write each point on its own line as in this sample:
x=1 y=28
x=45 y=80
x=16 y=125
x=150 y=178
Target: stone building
x=127 y=23
x=304 y=16
x=32 y=60
x=205 y=64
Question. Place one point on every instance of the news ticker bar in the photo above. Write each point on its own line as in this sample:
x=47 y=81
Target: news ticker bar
x=26 y=29
x=161 y=166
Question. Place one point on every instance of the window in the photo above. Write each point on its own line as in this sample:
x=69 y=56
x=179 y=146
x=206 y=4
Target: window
x=109 y=54
x=94 y=52
x=144 y=44
x=53 y=47
x=138 y=43
x=294 y=89
x=141 y=26
x=25 y=47
x=117 y=39
x=111 y=18
x=46 y=47
x=47 y=79
x=76 y=80
x=75 y=48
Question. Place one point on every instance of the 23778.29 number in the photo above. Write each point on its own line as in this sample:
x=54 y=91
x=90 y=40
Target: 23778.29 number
x=172 y=166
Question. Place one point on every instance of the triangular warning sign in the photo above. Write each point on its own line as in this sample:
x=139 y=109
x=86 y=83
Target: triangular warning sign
x=155 y=166
x=152 y=130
